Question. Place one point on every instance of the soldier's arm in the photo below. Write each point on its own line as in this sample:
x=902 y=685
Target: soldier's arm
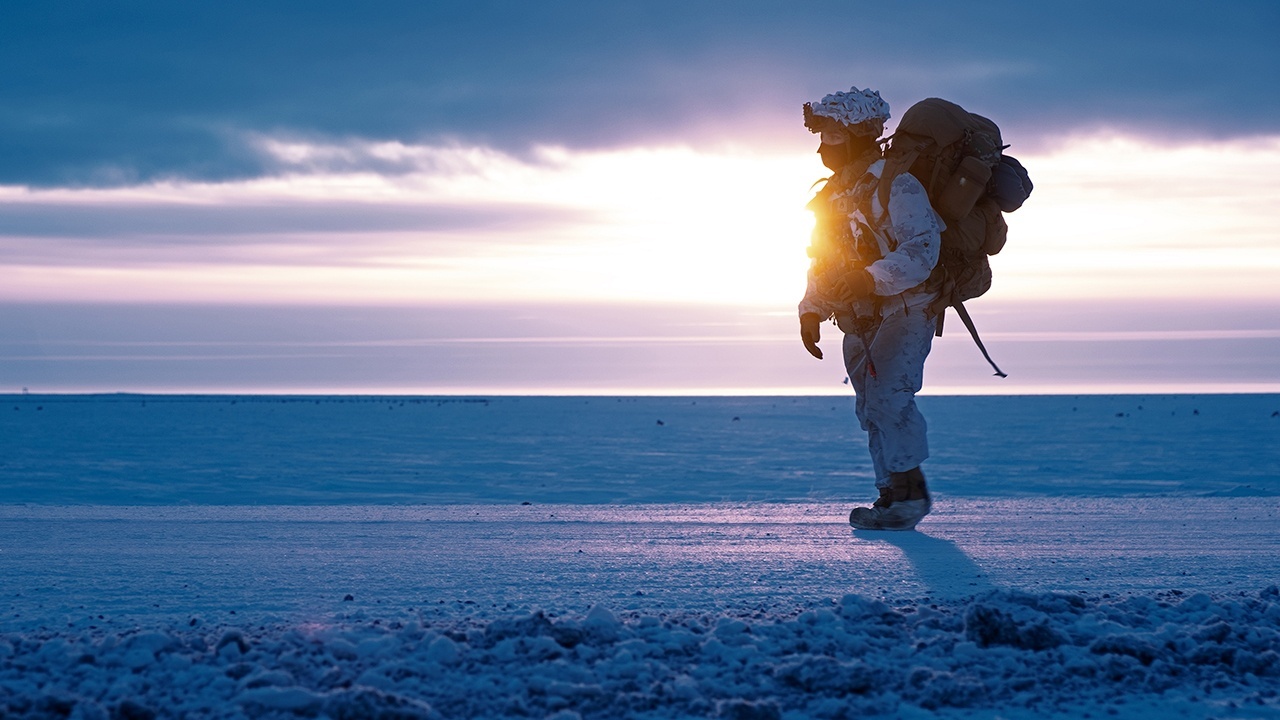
x=919 y=232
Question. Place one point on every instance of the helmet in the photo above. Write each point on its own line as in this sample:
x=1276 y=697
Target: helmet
x=860 y=112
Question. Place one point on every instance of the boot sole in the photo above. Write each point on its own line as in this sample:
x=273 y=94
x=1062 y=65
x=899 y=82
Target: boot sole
x=873 y=523
x=879 y=526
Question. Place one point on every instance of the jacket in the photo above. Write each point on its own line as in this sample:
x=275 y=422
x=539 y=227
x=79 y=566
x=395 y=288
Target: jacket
x=908 y=238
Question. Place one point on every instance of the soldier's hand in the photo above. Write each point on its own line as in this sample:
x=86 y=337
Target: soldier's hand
x=847 y=284
x=811 y=333
x=856 y=284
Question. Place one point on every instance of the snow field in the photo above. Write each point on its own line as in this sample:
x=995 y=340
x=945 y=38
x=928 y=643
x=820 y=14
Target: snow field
x=246 y=450
x=72 y=567
x=576 y=558
x=1004 y=654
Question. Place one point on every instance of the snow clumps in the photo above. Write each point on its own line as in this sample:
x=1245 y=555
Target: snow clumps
x=1027 y=655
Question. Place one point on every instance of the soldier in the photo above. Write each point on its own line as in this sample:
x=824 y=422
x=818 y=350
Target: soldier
x=869 y=271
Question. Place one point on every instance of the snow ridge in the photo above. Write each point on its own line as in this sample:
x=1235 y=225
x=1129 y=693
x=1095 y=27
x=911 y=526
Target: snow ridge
x=1028 y=655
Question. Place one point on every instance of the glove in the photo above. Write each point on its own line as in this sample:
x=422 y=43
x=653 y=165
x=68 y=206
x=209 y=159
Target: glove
x=847 y=285
x=810 y=333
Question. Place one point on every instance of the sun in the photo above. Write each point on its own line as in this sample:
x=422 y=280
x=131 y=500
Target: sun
x=681 y=226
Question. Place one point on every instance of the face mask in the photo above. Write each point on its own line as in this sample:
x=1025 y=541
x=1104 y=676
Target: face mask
x=834 y=157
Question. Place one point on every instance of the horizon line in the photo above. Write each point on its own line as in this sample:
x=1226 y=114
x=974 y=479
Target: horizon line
x=803 y=391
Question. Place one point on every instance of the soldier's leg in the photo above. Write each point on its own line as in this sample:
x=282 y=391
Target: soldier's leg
x=855 y=364
x=898 y=353
x=895 y=424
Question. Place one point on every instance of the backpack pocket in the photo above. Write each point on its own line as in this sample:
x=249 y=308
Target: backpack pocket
x=967 y=236
x=981 y=232
x=997 y=230
x=963 y=189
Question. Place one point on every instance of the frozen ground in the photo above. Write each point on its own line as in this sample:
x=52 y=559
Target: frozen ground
x=1115 y=557
x=158 y=450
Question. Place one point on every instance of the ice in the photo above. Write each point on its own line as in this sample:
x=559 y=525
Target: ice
x=270 y=557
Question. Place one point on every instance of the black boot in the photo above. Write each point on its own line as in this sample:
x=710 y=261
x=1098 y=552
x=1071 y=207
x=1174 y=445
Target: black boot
x=909 y=485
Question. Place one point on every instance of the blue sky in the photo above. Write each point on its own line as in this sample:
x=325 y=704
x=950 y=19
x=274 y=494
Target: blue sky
x=575 y=162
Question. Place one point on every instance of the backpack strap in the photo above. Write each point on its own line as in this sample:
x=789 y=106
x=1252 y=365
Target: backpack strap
x=895 y=167
x=946 y=288
x=973 y=331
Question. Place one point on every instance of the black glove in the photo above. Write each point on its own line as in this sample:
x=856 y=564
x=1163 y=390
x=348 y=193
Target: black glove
x=847 y=285
x=810 y=333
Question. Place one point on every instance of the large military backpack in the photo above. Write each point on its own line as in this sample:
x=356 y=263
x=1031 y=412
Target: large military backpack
x=957 y=156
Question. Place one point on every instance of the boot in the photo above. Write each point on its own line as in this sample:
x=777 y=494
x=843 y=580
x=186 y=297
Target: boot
x=885 y=499
x=900 y=506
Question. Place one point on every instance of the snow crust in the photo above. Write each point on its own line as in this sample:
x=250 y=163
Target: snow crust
x=650 y=611
x=1027 y=655
x=399 y=558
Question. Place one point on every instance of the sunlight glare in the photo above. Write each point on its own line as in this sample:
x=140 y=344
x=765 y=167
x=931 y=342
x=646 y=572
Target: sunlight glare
x=1110 y=217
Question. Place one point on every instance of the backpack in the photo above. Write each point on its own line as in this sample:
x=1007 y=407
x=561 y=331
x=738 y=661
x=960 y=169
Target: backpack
x=958 y=157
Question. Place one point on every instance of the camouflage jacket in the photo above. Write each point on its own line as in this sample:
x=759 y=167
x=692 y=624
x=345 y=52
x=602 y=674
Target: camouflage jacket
x=900 y=248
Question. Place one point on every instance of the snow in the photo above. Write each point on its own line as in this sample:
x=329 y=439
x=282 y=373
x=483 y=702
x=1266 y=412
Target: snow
x=1030 y=655
x=225 y=557
x=247 y=450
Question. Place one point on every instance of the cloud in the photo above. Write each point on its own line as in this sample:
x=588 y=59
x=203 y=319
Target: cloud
x=110 y=94
x=162 y=251
x=453 y=222
x=1111 y=217
x=61 y=226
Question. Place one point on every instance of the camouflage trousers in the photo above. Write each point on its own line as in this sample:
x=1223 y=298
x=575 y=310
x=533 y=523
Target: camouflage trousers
x=886 y=368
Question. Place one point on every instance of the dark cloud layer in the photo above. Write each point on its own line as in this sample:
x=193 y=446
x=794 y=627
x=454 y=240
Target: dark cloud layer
x=200 y=223
x=329 y=233
x=107 y=93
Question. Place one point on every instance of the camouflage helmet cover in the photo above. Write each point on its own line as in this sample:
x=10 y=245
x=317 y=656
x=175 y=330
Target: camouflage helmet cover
x=860 y=112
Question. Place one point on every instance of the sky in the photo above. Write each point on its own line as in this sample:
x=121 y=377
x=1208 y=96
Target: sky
x=588 y=197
